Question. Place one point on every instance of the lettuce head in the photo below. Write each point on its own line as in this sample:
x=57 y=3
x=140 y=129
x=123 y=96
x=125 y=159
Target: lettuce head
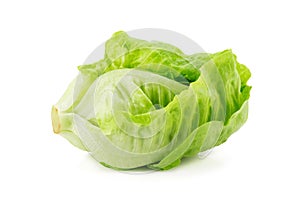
x=146 y=103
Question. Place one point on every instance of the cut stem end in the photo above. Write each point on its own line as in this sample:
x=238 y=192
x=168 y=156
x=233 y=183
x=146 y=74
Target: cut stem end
x=55 y=120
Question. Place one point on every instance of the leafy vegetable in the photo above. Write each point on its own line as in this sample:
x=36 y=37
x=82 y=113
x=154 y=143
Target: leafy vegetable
x=148 y=104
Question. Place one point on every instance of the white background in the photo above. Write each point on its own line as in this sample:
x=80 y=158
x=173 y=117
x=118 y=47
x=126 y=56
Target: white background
x=41 y=43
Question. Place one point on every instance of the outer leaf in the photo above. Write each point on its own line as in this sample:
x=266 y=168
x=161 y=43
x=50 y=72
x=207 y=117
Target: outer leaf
x=209 y=130
x=123 y=51
x=234 y=123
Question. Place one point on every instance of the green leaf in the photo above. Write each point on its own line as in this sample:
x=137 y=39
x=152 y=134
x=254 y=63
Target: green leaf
x=203 y=135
